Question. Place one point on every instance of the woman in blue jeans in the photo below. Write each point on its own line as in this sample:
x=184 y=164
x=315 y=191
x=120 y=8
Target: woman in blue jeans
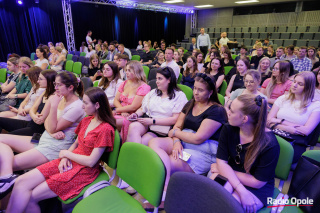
x=196 y=131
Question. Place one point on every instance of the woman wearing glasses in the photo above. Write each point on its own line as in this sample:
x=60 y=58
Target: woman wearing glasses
x=247 y=155
x=195 y=133
x=279 y=82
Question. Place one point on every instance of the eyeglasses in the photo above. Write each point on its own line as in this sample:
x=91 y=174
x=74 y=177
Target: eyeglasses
x=249 y=82
x=57 y=84
x=238 y=150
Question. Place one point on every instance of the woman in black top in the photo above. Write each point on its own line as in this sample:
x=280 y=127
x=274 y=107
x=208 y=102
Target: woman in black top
x=95 y=67
x=227 y=58
x=247 y=154
x=196 y=131
x=38 y=115
x=216 y=69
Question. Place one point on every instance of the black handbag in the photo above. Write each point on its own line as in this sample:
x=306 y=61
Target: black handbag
x=305 y=183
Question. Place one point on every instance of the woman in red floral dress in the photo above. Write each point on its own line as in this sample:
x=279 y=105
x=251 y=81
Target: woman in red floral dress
x=76 y=167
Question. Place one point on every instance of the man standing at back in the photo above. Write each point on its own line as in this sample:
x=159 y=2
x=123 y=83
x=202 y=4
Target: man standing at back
x=89 y=39
x=203 y=42
x=170 y=62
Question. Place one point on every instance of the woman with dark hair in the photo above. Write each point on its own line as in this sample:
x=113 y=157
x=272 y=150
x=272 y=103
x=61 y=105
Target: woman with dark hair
x=317 y=89
x=13 y=67
x=312 y=55
x=83 y=47
x=196 y=131
x=227 y=58
x=247 y=155
x=279 y=82
x=36 y=112
x=297 y=112
x=200 y=59
x=110 y=81
x=22 y=112
x=236 y=80
x=91 y=51
x=270 y=52
x=64 y=114
x=42 y=60
x=206 y=65
x=216 y=69
x=76 y=167
x=162 y=107
x=158 y=61
x=190 y=72
x=95 y=67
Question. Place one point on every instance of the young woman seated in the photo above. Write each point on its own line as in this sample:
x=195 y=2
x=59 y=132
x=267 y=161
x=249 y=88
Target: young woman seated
x=95 y=67
x=200 y=58
x=42 y=60
x=90 y=52
x=65 y=113
x=22 y=87
x=196 y=131
x=297 y=112
x=178 y=59
x=251 y=82
x=264 y=68
x=162 y=107
x=279 y=82
x=236 y=80
x=22 y=112
x=129 y=96
x=12 y=66
x=216 y=69
x=190 y=72
x=227 y=58
x=110 y=81
x=52 y=56
x=59 y=60
x=206 y=65
x=36 y=112
x=76 y=167
x=317 y=89
x=247 y=155
x=158 y=61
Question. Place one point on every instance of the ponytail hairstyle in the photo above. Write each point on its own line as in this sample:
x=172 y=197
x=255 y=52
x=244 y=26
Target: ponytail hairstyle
x=33 y=75
x=68 y=79
x=255 y=107
x=97 y=95
x=50 y=76
x=42 y=49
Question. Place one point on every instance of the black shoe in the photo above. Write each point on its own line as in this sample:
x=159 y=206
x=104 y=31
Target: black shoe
x=6 y=185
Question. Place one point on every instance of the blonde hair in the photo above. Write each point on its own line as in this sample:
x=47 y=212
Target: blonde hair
x=308 y=91
x=138 y=70
x=59 y=49
x=26 y=61
x=259 y=67
x=284 y=71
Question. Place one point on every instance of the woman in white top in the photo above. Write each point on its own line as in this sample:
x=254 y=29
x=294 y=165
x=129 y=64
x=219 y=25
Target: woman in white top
x=83 y=47
x=22 y=112
x=42 y=60
x=64 y=51
x=317 y=90
x=162 y=105
x=59 y=60
x=53 y=56
x=110 y=80
x=91 y=51
x=140 y=47
x=297 y=112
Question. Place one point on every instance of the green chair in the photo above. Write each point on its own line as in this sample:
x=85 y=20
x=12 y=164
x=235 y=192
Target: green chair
x=95 y=84
x=221 y=99
x=223 y=88
x=135 y=58
x=3 y=75
x=69 y=66
x=34 y=62
x=69 y=57
x=146 y=70
x=110 y=159
x=77 y=66
x=152 y=49
x=227 y=69
x=141 y=168
x=49 y=67
x=179 y=79
x=234 y=56
x=83 y=54
x=187 y=90
x=104 y=61
x=185 y=51
x=32 y=56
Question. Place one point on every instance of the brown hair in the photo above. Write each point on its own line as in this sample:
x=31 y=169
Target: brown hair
x=68 y=79
x=92 y=57
x=50 y=76
x=284 y=70
x=14 y=60
x=221 y=68
x=254 y=74
x=41 y=49
x=33 y=75
x=258 y=115
x=186 y=72
x=104 y=83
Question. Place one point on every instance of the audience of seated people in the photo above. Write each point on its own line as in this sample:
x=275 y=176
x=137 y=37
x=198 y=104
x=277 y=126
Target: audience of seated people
x=200 y=126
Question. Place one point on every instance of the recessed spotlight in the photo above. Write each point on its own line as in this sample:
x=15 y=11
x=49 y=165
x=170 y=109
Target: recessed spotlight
x=201 y=6
x=173 y=1
x=247 y=1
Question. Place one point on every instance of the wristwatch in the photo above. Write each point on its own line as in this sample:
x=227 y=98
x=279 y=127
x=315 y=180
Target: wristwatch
x=16 y=95
x=154 y=121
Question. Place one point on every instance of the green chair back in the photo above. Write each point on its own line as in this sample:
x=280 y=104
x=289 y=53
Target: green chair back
x=34 y=62
x=234 y=56
x=49 y=67
x=152 y=49
x=32 y=56
x=135 y=58
x=314 y=154
x=179 y=79
x=77 y=66
x=83 y=54
x=285 y=159
x=187 y=91
x=146 y=70
x=95 y=84
x=69 y=66
x=223 y=88
x=142 y=168
x=221 y=99
x=185 y=51
x=104 y=61
x=3 y=75
x=69 y=57
x=227 y=69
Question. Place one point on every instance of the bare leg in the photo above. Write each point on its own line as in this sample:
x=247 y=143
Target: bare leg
x=29 y=189
x=136 y=130
x=7 y=114
x=28 y=159
x=147 y=137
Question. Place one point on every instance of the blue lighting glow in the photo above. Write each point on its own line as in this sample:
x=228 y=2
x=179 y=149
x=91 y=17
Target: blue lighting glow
x=20 y=2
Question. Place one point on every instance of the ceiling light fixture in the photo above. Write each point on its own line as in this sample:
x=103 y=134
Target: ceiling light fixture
x=201 y=6
x=245 y=2
x=173 y=1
